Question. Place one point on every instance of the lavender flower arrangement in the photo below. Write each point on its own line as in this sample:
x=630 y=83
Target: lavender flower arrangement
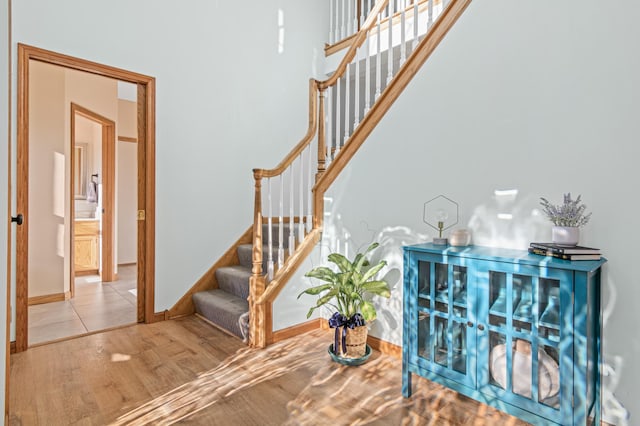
x=570 y=213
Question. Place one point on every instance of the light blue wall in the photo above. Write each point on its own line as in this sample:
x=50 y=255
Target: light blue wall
x=539 y=97
x=232 y=84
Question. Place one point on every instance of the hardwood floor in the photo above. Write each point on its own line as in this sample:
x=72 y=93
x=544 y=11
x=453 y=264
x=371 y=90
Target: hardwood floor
x=96 y=306
x=185 y=371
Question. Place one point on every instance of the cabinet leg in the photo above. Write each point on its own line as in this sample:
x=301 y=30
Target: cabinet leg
x=406 y=384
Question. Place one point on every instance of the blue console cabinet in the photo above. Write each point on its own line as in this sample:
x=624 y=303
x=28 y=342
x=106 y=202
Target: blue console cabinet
x=516 y=331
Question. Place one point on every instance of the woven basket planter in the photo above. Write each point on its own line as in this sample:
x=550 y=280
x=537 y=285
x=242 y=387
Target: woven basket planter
x=356 y=343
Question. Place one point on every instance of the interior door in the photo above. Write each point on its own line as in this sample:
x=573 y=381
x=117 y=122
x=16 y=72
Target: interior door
x=146 y=180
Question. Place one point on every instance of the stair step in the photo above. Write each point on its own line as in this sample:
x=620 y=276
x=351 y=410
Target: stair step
x=235 y=280
x=222 y=309
x=275 y=236
x=245 y=256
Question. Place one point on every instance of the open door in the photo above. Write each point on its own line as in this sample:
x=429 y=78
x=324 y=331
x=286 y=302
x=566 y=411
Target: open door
x=146 y=180
x=107 y=246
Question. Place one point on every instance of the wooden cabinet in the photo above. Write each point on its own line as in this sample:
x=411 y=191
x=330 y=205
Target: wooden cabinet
x=516 y=331
x=87 y=247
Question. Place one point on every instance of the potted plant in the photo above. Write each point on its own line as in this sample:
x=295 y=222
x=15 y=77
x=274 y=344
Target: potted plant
x=344 y=290
x=567 y=217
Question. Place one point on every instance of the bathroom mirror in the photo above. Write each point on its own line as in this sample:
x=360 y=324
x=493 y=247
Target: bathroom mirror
x=80 y=174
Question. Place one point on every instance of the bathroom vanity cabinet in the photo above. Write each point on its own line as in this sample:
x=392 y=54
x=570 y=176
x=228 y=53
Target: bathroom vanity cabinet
x=86 y=247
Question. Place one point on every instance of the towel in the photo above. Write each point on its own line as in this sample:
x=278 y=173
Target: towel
x=92 y=193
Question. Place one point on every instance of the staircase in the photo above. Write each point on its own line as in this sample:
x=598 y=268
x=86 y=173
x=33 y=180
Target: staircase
x=226 y=306
x=380 y=55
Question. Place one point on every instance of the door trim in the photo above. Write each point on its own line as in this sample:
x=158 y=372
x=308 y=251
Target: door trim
x=146 y=179
x=108 y=131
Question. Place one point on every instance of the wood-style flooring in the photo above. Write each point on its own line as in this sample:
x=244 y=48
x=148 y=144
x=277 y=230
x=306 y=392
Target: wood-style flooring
x=187 y=372
x=96 y=306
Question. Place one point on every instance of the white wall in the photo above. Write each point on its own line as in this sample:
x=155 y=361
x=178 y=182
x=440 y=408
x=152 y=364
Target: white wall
x=4 y=124
x=542 y=99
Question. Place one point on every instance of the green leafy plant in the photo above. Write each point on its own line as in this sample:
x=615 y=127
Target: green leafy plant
x=345 y=289
x=569 y=213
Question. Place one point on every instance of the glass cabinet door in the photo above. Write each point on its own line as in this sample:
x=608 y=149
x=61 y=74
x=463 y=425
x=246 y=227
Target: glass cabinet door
x=443 y=312
x=520 y=332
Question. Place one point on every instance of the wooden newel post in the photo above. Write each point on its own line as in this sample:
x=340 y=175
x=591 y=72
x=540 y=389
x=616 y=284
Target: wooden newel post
x=257 y=282
x=322 y=147
x=257 y=228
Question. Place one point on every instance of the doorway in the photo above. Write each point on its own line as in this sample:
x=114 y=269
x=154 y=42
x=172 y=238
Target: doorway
x=145 y=110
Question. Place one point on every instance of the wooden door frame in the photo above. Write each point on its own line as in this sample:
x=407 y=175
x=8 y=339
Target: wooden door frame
x=108 y=132
x=146 y=179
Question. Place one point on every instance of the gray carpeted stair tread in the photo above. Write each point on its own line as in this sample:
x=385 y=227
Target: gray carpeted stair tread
x=245 y=255
x=225 y=305
x=221 y=308
x=234 y=279
x=275 y=236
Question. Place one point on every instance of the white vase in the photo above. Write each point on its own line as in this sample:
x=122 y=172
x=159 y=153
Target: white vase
x=460 y=237
x=565 y=235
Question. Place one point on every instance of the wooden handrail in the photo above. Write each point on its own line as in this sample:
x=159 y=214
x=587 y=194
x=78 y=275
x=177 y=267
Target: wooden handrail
x=406 y=73
x=355 y=44
x=306 y=140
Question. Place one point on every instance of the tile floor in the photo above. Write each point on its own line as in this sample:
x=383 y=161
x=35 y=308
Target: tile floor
x=96 y=306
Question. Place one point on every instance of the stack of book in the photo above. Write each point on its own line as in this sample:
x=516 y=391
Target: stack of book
x=565 y=252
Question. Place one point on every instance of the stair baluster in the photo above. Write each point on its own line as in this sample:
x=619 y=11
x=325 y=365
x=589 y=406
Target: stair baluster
x=403 y=46
x=430 y=15
x=390 y=44
x=281 y=223
x=356 y=94
x=347 y=114
x=367 y=75
x=343 y=32
x=331 y=22
x=269 y=232
x=310 y=182
x=338 y=119
x=292 y=238
x=378 y=60
x=329 y=103
x=354 y=22
x=301 y=198
x=415 y=25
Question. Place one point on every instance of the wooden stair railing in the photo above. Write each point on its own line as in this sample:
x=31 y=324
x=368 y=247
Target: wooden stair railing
x=404 y=76
x=340 y=39
x=304 y=199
